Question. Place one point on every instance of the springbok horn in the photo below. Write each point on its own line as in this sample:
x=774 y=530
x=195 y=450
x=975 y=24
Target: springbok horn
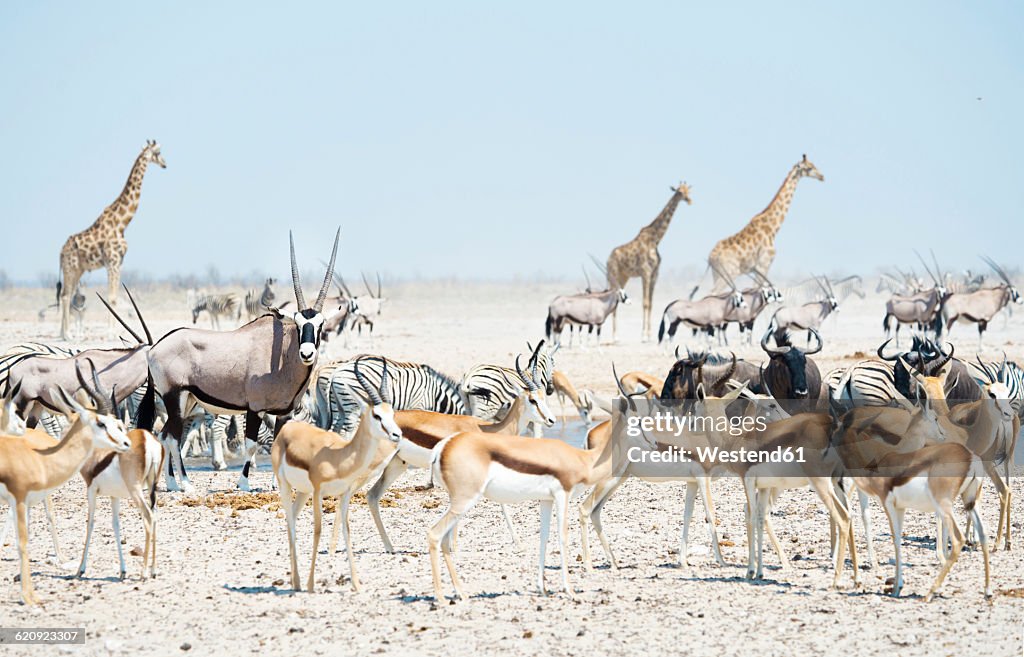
x=296 y=283
x=984 y=368
x=530 y=384
x=371 y=392
x=882 y=347
x=93 y=394
x=533 y=360
x=820 y=342
x=385 y=386
x=120 y=320
x=145 y=328
x=771 y=350
x=98 y=387
x=625 y=395
x=319 y=305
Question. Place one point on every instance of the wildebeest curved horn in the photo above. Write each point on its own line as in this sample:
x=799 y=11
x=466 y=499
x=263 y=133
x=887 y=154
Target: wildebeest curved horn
x=370 y=391
x=296 y=283
x=771 y=350
x=816 y=337
x=531 y=385
x=713 y=386
x=944 y=358
x=881 y=349
x=677 y=352
x=319 y=305
x=385 y=385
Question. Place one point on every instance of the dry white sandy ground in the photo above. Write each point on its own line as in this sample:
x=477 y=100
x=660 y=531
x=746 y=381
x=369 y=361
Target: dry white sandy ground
x=222 y=572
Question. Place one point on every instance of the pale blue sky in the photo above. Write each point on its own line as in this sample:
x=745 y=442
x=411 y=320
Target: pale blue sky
x=472 y=140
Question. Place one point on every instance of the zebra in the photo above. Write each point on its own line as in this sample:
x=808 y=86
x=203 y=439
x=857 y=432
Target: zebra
x=217 y=305
x=492 y=388
x=256 y=306
x=414 y=386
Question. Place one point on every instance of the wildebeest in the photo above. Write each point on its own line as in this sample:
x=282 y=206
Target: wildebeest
x=927 y=357
x=791 y=377
x=711 y=370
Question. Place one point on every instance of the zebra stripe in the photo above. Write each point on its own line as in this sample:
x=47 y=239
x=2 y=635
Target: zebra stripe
x=491 y=387
x=414 y=386
x=868 y=382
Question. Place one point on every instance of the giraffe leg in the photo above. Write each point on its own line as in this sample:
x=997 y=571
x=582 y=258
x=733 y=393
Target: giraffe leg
x=113 y=282
x=649 y=280
x=71 y=275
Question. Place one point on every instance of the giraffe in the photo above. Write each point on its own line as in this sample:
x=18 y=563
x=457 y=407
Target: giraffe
x=103 y=244
x=640 y=257
x=753 y=247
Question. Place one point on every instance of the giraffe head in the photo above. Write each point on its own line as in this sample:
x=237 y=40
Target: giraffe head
x=151 y=153
x=805 y=168
x=683 y=190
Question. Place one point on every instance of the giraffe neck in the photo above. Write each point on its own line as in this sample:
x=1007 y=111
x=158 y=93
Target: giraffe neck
x=656 y=229
x=773 y=215
x=123 y=209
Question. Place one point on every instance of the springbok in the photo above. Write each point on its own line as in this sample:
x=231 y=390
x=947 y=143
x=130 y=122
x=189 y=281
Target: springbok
x=309 y=461
x=29 y=474
x=423 y=430
x=132 y=474
x=564 y=388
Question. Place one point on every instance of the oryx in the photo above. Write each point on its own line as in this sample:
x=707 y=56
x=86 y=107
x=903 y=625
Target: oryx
x=809 y=315
x=261 y=367
x=981 y=306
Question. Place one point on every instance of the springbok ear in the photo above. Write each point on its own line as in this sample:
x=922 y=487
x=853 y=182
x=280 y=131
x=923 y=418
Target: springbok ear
x=733 y=394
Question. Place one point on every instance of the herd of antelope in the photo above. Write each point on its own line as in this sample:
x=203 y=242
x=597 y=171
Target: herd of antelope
x=914 y=429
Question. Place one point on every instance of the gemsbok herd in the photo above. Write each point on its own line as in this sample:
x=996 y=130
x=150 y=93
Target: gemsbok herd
x=915 y=429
